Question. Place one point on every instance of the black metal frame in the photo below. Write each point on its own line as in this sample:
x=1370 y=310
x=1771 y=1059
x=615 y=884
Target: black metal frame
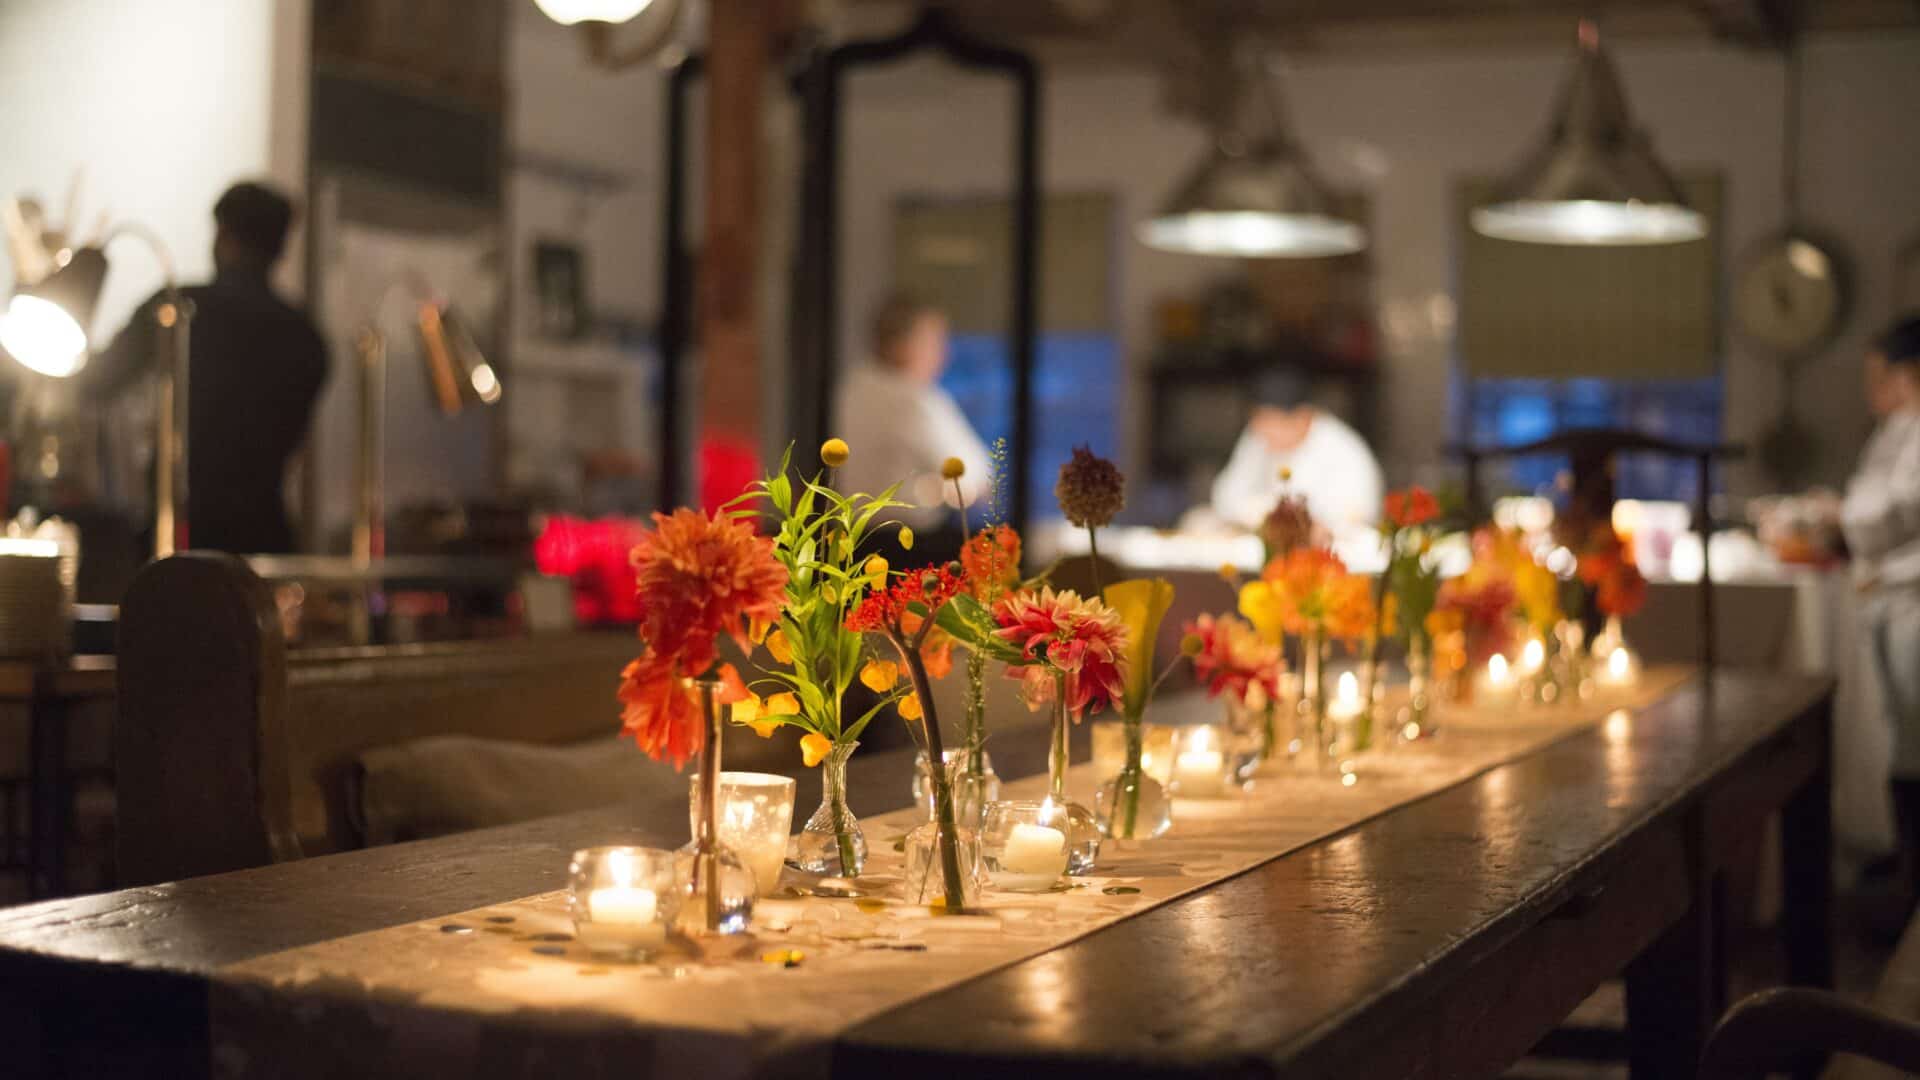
x=814 y=341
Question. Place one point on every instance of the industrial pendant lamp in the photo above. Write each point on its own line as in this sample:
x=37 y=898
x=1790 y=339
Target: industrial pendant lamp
x=44 y=324
x=1596 y=180
x=571 y=12
x=1254 y=194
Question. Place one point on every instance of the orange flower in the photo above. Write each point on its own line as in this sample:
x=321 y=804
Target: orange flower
x=909 y=707
x=699 y=577
x=936 y=653
x=753 y=713
x=783 y=704
x=779 y=647
x=880 y=675
x=814 y=748
x=1311 y=590
x=661 y=709
x=1414 y=506
x=992 y=561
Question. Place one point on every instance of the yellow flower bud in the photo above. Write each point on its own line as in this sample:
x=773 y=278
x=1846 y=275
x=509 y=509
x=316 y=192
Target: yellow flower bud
x=834 y=453
x=814 y=748
x=876 y=567
x=953 y=469
x=1286 y=474
x=880 y=675
x=830 y=594
x=1192 y=645
x=1229 y=573
x=906 y=538
x=910 y=707
x=780 y=647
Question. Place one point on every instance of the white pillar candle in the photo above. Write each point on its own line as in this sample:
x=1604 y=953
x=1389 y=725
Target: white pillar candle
x=1200 y=769
x=625 y=915
x=1034 y=858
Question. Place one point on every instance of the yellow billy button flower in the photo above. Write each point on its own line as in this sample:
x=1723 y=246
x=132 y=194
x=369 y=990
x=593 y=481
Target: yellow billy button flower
x=880 y=675
x=953 y=469
x=1192 y=645
x=910 y=707
x=1229 y=573
x=1286 y=474
x=814 y=748
x=750 y=713
x=906 y=538
x=876 y=567
x=834 y=453
x=778 y=645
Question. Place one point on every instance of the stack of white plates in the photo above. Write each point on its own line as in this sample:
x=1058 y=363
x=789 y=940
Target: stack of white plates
x=34 y=601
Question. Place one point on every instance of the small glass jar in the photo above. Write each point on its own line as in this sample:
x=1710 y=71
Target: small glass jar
x=1203 y=762
x=971 y=792
x=925 y=881
x=623 y=899
x=1024 y=845
x=755 y=814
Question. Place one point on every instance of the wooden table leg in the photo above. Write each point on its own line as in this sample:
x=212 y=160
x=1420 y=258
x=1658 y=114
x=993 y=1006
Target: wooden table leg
x=1673 y=990
x=49 y=799
x=1806 y=859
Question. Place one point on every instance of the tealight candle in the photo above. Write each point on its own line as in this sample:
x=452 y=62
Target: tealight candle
x=1200 y=768
x=1533 y=657
x=1496 y=686
x=622 y=898
x=1346 y=699
x=1622 y=669
x=1110 y=750
x=1024 y=844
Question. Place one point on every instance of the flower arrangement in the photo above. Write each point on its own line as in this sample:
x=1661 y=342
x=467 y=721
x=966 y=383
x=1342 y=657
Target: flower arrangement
x=1606 y=567
x=1308 y=591
x=991 y=560
x=1141 y=605
x=817 y=656
x=1090 y=491
x=1230 y=657
x=697 y=577
x=1070 y=649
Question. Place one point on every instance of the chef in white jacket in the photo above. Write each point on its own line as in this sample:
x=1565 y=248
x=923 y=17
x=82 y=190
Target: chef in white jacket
x=901 y=426
x=1881 y=519
x=1328 y=462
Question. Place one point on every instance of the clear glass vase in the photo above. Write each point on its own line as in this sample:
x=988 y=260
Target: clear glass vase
x=925 y=878
x=1249 y=732
x=1311 y=709
x=1416 y=720
x=718 y=890
x=831 y=842
x=1133 y=805
x=1081 y=827
x=972 y=790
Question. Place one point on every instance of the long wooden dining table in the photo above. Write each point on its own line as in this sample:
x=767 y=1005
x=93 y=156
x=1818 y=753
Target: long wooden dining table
x=1443 y=935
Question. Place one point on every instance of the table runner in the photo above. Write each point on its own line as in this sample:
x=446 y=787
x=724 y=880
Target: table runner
x=439 y=991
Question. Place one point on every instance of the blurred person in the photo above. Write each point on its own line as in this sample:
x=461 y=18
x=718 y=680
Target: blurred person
x=901 y=426
x=256 y=365
x=1329 y=462
x=1880 y=517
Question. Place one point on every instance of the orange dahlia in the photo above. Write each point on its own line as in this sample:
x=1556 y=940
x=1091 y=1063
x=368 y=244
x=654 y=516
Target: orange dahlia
x=1313 y=591
x=698 y=577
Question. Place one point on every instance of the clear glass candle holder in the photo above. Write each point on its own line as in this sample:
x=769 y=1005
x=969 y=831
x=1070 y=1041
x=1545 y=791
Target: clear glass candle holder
x=971 y=793
x=1110 y=750
x=925 y=879
x=754 y=814
x=623 y=899
x=1203 y=762
x=1024 y=844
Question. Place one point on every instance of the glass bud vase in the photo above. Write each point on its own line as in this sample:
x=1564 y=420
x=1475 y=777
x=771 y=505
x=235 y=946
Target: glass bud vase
x=1249 y=723
x=1416 y=720
x=1133 y=805
x=1311 y=708
x=831 y=841
x=972 y=791
x=1081 y=827
x=924 y=881
x=718 y=890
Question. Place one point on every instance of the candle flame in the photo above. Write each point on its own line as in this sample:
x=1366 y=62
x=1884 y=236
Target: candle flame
x=1619 y=663
x=1534 y=656
x=1349 y=687
x=1497 y=669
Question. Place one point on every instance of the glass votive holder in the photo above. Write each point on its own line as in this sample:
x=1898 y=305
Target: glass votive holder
x=753 y=815
x=971 y=793
x=1024 y=844
x=925 y=881
x=730 y=884
x=622 y=899
x=1203 y=763
x=1110 y=750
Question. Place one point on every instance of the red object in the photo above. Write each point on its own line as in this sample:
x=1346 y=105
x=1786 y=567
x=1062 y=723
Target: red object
x=594 y=556
x=728 y=467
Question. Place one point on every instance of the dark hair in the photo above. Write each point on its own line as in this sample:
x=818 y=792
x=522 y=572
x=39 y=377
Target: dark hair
x=1900 y=343
x=257 y=217
x=894 y=319
x=1284 y=387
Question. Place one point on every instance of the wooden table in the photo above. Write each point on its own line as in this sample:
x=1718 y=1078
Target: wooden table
x=1443 y=938
x=48 y=692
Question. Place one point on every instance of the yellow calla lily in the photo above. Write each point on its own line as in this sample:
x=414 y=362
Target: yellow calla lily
x=909 y=707
x=1141 y=603
x=1261 y=606
x=814 y=748
x=880 y=675
x=777 y=645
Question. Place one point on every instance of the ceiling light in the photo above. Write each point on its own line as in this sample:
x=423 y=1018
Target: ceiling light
x=570 y=12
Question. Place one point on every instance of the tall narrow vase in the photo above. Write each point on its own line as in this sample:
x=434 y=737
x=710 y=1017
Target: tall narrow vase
x=831 y=842
x=1082 y=828
x=1313 y=694
x=943 y=859
x=719 y=889
x=1418 y=721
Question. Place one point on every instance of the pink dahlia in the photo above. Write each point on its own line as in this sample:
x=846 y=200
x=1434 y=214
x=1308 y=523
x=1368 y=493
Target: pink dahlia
x=1066 y=638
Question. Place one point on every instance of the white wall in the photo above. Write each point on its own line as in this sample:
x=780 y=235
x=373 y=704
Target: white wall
x=1410 y=126
x=163 y=103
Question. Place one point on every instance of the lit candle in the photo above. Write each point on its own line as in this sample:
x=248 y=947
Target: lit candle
x=1497 y=686
x=1622 y=670
x=1034 y=858
x=1533 y=657
x=1200 y=770
x=1346 y=699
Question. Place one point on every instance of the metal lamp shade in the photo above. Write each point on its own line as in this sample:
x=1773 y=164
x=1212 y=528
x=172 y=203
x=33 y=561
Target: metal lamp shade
x=457 y=373
x=44 y=325
x=1265 y=203
x=1596 y=180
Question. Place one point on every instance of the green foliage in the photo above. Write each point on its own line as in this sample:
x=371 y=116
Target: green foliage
x=821 y=538
x=972 y=625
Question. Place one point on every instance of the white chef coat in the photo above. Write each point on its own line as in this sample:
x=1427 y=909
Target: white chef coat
x=1331 y=467
x=1881 y=512
x=901 y=431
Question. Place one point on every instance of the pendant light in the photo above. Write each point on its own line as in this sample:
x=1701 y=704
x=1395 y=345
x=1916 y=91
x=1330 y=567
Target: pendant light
x=571 y=12
x=1254 y=194
x=1596 y=180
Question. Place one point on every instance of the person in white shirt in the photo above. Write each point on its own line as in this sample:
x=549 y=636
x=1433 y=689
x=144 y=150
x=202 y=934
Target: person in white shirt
x=1329 y=463
x=1880 y=517
x=901 y=426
